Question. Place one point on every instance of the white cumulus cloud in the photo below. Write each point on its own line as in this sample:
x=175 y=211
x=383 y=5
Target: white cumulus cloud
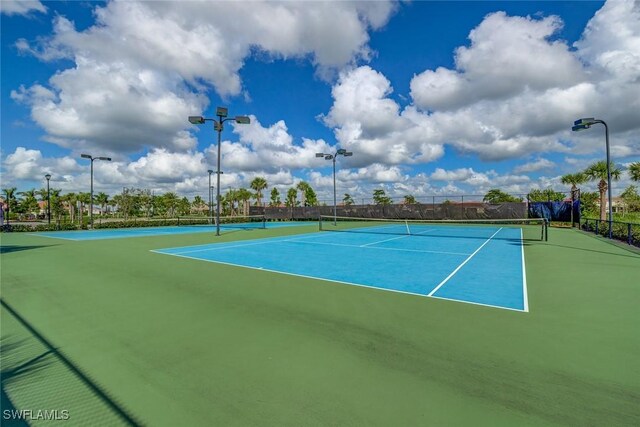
x=21 y=7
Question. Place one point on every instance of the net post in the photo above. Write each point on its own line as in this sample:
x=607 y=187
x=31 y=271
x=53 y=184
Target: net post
x=545 y=226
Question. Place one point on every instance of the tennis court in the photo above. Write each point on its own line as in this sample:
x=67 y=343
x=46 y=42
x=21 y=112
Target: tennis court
x=118 y=233
x=479 y=263
x=118 y=334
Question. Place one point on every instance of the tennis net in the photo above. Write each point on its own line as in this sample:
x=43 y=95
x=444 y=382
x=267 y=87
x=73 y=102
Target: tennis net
x=243 y=221
x=532 y=228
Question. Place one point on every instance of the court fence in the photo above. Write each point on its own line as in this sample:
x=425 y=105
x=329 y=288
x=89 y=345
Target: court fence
x=628 y=232
x=447 y=210
x=132 y=222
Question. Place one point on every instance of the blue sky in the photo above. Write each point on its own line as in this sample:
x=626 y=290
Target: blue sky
x=433 y=98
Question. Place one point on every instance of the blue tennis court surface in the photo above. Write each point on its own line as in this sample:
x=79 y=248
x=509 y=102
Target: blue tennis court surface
x=117 y=233
x=482 y=265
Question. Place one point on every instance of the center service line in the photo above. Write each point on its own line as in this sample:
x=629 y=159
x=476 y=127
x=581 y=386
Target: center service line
x=463 y=263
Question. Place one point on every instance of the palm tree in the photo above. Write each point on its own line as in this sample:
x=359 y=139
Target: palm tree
x=113 y=204
x=598 y=171
x=244 y=196
x=198 y=205
x=258 y=184
x=57 y=209
x=634 y=171
x=29 y=202
x=347 y=200
x=9 y=196
x=70 y=199
x=102 y=199
x=574 y=179
x=42 y=194
x=84 y=199
x=229 y=201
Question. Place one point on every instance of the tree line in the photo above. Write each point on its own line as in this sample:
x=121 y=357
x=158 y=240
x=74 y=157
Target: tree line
x=595 y=172
x=134 y=202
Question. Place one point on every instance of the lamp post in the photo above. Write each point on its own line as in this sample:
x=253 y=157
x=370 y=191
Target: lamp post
x=90 y=157
x=340 y=152
x=586 y=123
x=210 y=194
x=222 y=114
x=48 y=177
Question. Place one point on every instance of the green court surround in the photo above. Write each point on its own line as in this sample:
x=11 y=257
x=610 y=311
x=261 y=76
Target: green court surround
x=173 y=341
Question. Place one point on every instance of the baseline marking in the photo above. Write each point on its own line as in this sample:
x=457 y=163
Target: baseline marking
x=463 y=263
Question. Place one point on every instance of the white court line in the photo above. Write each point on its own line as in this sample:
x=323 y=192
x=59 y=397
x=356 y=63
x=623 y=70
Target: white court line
x=340 y=282
x=477 y=303
x=463 y=263
x=222 y=246
x=385 y=249
x=382 y=241
x=225 y=245
x=54 y=237
x=211 y=247
x=524 y=276
x=396 y=238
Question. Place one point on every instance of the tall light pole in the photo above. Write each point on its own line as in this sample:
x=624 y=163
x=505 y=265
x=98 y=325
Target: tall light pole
x=340 y=152
x=88 y=156
x=222 y=114
x=583 y=124
x=210 y=194
x=48 y=177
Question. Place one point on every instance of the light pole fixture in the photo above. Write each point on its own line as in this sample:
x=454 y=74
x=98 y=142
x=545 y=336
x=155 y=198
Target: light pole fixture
x=222 y=114
x=48 y=177
x=340 y=152
x=90 y=157
x=210 y=195
x=586 y=123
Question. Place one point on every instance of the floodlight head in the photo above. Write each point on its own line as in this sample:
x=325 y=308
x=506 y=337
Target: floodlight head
x=341 y=151
x=108 y=159
x=319 y=154
x=585 y=122
x=243 y=120
x=210 y=171
x=578 y=128
x=196 y=120
x=222 y=112
x=328 y=156
x=48 y=176
x=85 y=156
x=347 y=153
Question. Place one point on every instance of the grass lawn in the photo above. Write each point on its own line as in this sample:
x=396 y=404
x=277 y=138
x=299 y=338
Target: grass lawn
x=116 y=334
